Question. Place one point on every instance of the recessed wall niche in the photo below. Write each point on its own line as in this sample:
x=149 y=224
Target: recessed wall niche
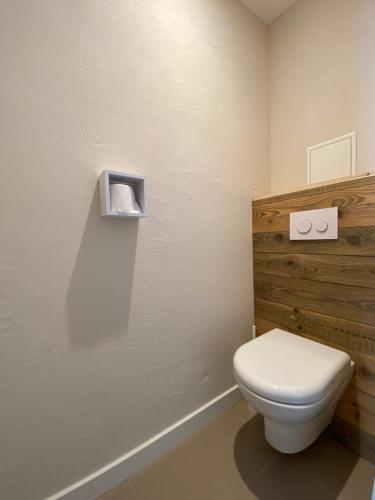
x=137 y=194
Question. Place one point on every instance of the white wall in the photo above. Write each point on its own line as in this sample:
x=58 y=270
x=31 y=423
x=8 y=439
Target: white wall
x=322 y=81
x=111 y=330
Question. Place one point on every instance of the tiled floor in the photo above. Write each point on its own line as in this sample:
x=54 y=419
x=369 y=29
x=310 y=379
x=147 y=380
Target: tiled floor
x=231 y=460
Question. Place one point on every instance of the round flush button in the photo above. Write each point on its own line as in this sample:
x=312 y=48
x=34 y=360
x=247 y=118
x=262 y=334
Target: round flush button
x=321 y=226
x=304 y=226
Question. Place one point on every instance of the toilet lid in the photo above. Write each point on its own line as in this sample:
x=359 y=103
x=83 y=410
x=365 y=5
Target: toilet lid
x=286 y=368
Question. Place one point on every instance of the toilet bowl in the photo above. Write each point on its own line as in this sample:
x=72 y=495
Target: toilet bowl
x=295 y=383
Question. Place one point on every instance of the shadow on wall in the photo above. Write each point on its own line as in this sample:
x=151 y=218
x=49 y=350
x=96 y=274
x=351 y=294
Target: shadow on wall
x=99 y=294
x=320 y=471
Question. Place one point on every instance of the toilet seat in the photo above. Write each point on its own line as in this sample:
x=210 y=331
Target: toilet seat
x=293 y=413
x=318 y=402
x=282 y=367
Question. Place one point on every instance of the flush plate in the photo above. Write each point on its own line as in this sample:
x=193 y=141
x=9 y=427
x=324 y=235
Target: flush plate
x=321 y=224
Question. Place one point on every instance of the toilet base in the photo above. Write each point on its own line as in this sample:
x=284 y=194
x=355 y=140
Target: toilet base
x=292 y=438
x=289 y=428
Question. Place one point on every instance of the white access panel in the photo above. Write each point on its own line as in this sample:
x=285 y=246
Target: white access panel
x=321 y=224
x=332 y=159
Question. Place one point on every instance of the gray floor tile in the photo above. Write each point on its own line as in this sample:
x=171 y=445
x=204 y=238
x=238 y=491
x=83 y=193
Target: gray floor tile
x=360 y=482
x=231 y=460
x=121 y=492
x=204 y=467
x=326 y=470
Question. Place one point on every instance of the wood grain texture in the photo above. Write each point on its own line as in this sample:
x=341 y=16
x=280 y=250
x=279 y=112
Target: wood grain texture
x=358 y=408
x=323 y=187
x=355 y=438
x=350 y=334
x=351 y=241
x=344 y=269
x=356 y=206
x=264 y=325
x=324 y=290
x=342 y=301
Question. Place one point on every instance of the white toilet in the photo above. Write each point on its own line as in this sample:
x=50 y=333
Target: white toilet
x=295 y=383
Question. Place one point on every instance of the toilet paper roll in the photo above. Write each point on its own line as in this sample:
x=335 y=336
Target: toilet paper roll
x=123 y=200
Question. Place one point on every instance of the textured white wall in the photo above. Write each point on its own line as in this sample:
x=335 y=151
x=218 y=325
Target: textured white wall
x=112 y=330
x=322 y=81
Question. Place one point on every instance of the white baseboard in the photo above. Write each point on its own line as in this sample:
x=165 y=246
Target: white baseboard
x=119 y=470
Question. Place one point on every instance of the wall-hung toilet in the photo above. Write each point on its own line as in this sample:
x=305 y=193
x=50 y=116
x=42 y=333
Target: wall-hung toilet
x=295 y=383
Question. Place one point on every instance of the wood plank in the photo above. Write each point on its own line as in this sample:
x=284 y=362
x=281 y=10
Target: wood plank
x=263 y=325
x=351 y=241
x=347 y=270
x=356 y=206
x=350 y=334
x=341 y=301
x=351 y=436
x=358 y=409
x=318 y=187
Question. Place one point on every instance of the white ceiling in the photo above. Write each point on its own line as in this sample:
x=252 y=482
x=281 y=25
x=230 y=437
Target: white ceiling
x=268 y=10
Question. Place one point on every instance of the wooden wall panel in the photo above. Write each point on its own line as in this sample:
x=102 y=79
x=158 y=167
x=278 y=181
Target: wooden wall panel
x=356 y=336
x=352 y=436
x=344 y=269
x=356 y=204
x=324 y=290
x=351 y=241
x=341 y=301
